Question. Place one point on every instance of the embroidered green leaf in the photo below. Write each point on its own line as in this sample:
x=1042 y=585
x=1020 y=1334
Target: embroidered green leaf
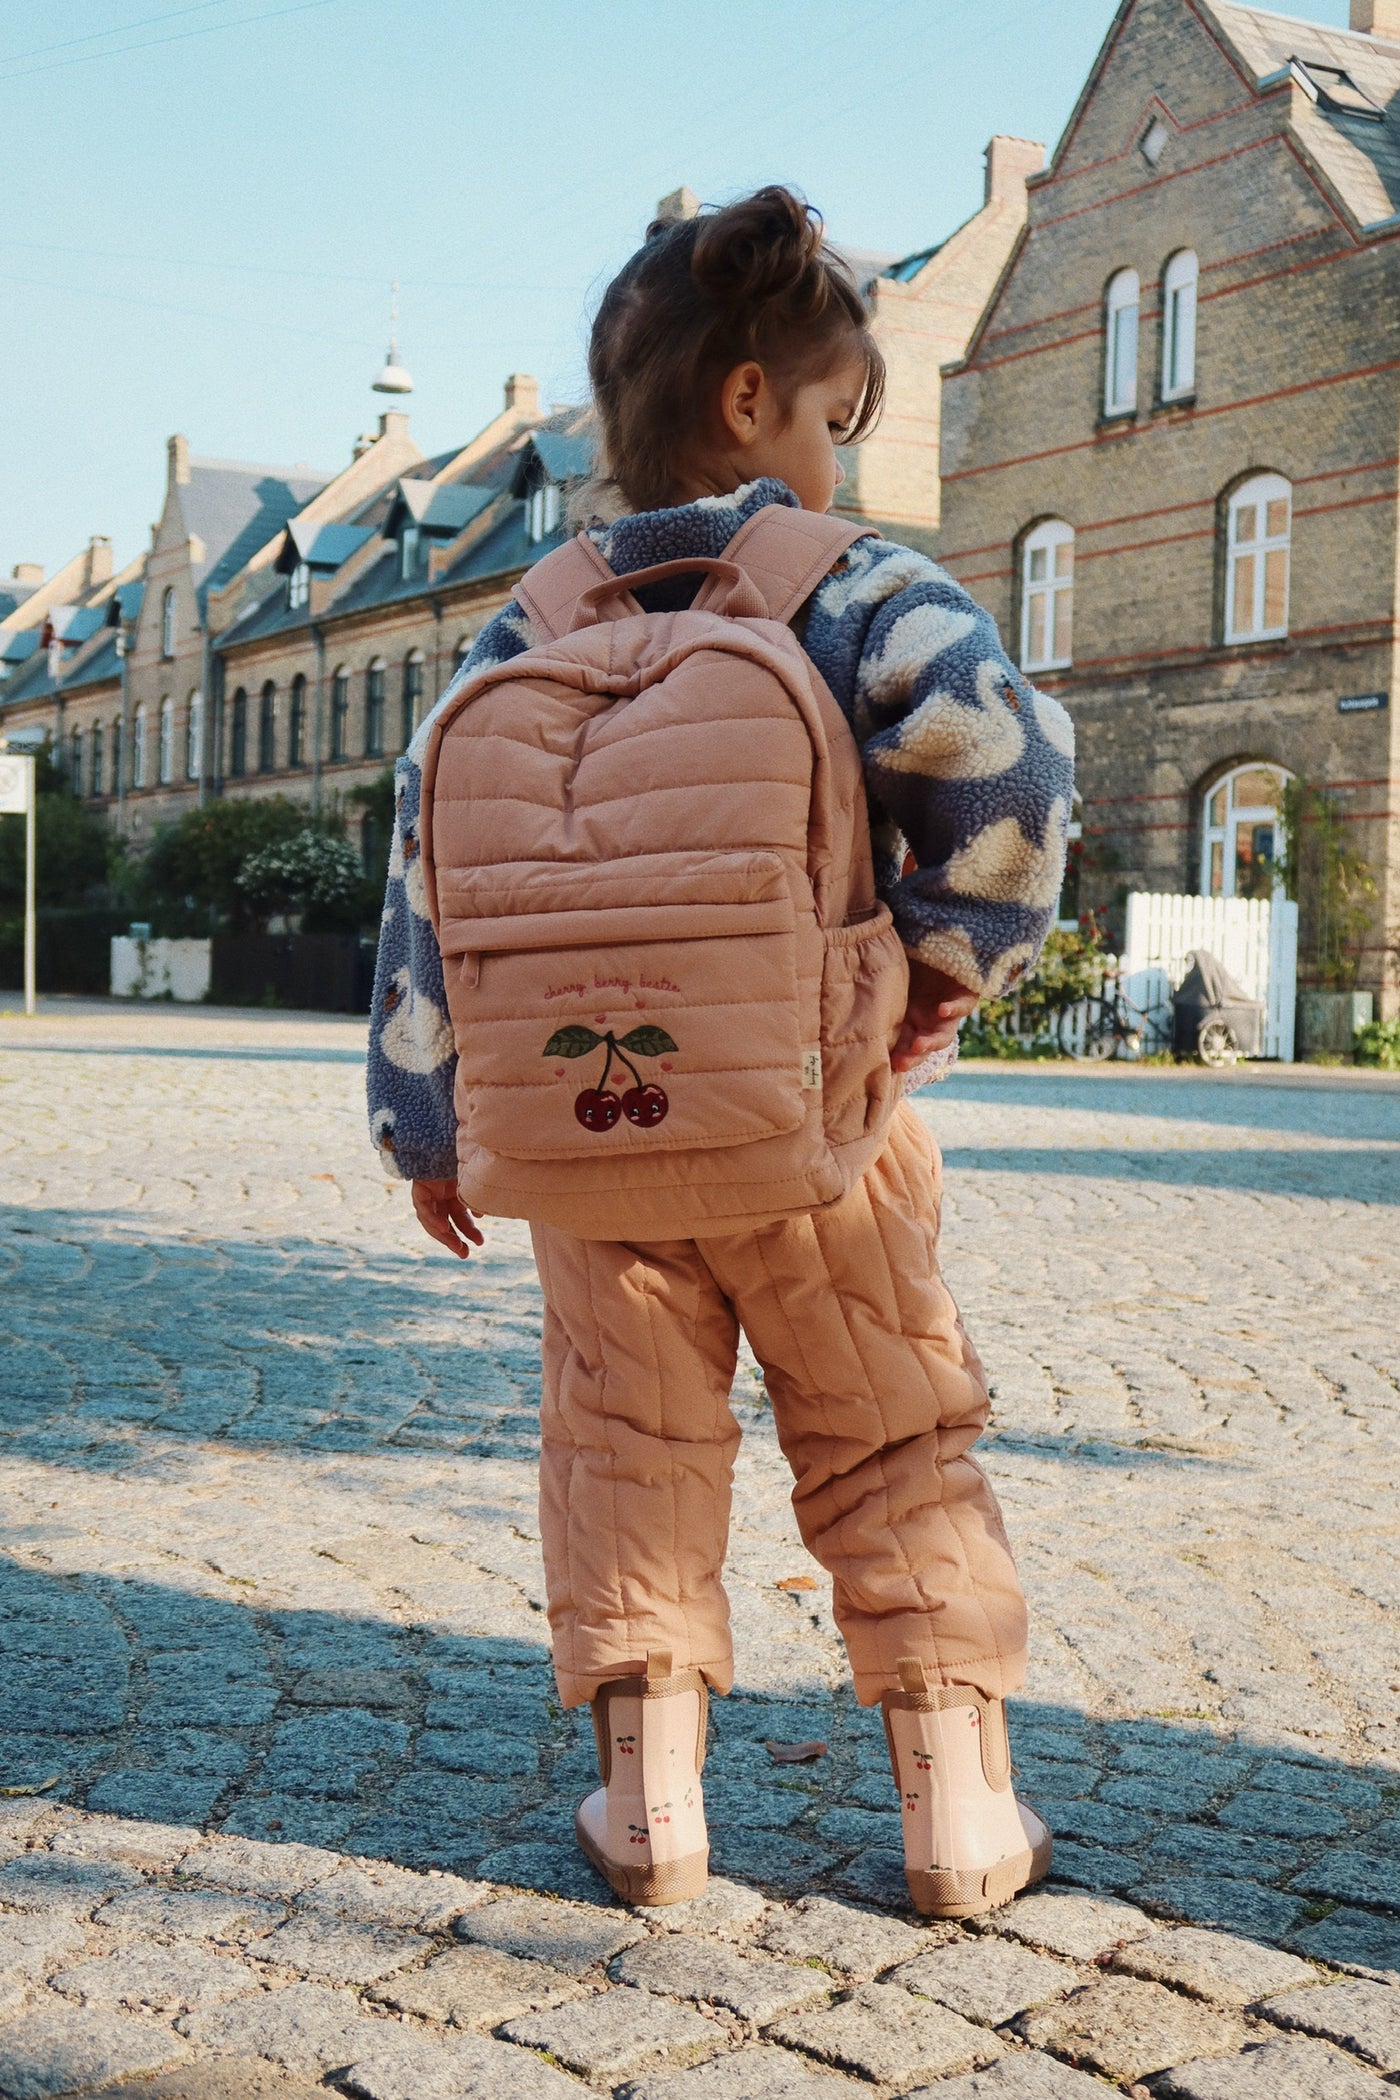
x=648 y=1042
x=572 y=1042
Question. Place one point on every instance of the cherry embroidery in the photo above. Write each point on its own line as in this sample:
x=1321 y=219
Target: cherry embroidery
x=598 y=1108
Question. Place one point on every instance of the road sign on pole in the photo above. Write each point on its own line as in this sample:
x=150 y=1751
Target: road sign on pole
x=16 y=800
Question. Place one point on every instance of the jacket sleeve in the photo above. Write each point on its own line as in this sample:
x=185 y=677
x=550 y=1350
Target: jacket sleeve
x=412 y=1060
x=967 y=767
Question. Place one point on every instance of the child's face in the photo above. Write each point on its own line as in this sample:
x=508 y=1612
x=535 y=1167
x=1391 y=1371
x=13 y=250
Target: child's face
x=793 y=440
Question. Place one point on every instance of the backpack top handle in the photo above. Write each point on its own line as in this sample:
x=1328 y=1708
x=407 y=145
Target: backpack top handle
x=726 y=590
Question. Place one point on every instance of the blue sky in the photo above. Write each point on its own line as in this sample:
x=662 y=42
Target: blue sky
x=205 y=203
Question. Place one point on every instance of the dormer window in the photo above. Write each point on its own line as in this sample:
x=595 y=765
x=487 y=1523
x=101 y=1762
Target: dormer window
x=542 y=510
x=299 y=585
x=410 y=539
x=1334 y=90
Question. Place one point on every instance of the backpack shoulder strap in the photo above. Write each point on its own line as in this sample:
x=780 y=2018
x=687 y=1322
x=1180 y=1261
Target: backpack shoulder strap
x=550 y=592
x=785 y=553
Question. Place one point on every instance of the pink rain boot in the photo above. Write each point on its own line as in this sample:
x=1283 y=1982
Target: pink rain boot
x=644 y=1829
x=969 y=1844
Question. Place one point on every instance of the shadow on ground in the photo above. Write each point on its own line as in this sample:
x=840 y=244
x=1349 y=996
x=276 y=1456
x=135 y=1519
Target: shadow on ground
x=434 y=1749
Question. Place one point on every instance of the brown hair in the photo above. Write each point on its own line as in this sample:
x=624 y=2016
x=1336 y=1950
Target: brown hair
x=747 y=280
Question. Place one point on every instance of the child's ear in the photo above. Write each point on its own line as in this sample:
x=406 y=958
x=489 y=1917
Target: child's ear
x=743 y=399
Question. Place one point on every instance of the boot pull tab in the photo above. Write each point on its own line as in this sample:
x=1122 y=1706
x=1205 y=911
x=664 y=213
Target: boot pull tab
x=658 y=1664
x=911 y=1674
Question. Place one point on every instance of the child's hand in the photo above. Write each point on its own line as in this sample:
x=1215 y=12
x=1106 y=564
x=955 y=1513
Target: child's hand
x=445 y=1217
x=937 y=1003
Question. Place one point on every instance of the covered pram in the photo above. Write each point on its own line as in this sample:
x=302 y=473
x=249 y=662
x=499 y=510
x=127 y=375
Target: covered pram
x=1213 y=1017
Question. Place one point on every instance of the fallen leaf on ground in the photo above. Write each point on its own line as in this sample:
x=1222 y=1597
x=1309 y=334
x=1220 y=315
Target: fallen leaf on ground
x=797 y=1582
x=795 y=1753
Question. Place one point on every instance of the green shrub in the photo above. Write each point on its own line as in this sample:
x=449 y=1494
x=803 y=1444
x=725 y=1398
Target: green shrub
x=313 y=875
x=1378 y=1043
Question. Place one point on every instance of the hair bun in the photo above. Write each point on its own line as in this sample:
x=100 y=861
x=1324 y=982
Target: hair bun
x=767 y=246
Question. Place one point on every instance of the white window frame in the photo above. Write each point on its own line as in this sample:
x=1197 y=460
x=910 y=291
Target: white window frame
x=1179 y=281
x=542 y=510
x=1257 y=494
x=410 y=540
x=1120 y=368
x=165 y=746
x=138 y=746
x=194 y=734
x=167 y=622
x=299 y=586
x=1046 y=539
x=1219 y=839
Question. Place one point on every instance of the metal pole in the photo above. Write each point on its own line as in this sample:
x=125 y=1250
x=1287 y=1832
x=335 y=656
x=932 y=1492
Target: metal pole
x=29 y=918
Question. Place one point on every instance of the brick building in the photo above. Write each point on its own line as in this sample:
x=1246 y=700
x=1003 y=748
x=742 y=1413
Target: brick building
x=1170 y=454
x=288 y=628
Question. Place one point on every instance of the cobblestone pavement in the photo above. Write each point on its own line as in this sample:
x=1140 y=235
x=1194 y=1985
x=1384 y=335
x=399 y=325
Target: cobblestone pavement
x=287 y=1797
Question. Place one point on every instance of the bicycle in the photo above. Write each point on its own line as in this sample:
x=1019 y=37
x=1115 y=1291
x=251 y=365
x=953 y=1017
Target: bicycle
x=1113 y=1027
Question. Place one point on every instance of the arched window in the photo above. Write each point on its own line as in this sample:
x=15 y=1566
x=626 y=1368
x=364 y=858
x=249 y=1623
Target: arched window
x=412 y=697
x=1179 y=326
x=1242 y=832
x=296 y=723
x=267 y=728
x=1258 y=530
x=138 y=747
x=165 y=741
x=95 y=775
x=1121 y=344
x=1047 y=596
x=167 y=623
x=115 y=773
x=238 y=735
x=75 y=761
x=374 y=709
x=340 y=714
x=194 y=735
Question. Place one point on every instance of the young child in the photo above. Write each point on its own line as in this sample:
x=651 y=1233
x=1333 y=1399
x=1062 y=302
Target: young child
x=729 y=359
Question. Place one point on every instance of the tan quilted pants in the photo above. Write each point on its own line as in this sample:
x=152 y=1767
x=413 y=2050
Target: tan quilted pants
x=877 y=1396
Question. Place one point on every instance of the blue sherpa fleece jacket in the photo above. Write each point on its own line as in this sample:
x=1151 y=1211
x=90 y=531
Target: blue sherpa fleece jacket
x=966 y=765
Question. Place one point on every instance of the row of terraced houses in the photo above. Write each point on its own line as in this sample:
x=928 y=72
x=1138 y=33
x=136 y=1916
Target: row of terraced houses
x=1145 y=404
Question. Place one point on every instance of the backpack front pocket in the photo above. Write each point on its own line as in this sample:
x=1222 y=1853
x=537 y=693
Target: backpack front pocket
x=637 y=1005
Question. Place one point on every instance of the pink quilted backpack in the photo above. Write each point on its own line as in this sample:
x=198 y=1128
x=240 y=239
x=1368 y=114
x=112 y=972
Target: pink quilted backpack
x=647 y=858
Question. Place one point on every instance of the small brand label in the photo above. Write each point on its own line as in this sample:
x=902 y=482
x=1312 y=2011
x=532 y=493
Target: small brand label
x=811 y=1068
x=1362 y=703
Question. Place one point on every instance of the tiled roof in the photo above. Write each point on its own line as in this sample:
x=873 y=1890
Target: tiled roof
x=1360 y=157
x=11 y=595
x=234 y=509
x=96 y=663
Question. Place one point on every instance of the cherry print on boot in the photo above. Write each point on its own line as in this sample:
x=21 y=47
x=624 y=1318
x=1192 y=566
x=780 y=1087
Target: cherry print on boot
x=644 y=1828
x=969 y=1844
x=598 y=1108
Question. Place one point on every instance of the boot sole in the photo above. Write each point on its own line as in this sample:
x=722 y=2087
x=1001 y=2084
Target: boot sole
x=942 y=1894
x=668 y=1881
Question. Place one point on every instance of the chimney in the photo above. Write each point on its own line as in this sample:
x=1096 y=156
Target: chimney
x=1377 y=18
x=27 y=572
x=99 y=560
x=1010 y=161
x=522 y=396
x=393 y=424
x=681 y=204
x=177 y=453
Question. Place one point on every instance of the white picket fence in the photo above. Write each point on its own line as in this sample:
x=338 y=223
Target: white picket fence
x=1258 y=944
x=1256 y=941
